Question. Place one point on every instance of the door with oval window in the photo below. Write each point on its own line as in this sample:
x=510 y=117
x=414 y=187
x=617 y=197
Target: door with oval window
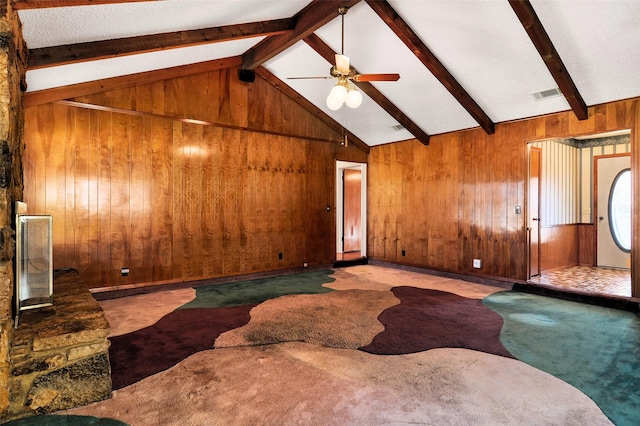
x=613 y=211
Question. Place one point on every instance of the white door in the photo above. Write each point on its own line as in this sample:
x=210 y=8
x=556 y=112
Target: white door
x=613 y=215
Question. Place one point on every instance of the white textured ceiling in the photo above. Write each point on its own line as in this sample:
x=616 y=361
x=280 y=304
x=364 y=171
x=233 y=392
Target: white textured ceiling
x=482 y=44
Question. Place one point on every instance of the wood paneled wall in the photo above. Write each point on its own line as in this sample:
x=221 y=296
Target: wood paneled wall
x=175 y=201
x=454 y=200
x=446 y=203
x=586 y=247
x=560 y=246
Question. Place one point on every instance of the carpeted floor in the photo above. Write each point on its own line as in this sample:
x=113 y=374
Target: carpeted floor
x=366 y=345
x=593 y=348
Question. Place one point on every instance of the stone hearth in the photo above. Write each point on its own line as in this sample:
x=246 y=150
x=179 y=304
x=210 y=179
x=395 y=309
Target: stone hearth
x=59 y=354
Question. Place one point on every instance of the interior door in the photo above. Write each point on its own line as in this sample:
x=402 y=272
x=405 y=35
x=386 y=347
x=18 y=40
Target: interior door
x=352 y=216
x=535 y=172
x=613 y=211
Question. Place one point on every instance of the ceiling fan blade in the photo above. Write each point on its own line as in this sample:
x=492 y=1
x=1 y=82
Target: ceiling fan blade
x=376 y=77
x=342 y=64
x=308 y=78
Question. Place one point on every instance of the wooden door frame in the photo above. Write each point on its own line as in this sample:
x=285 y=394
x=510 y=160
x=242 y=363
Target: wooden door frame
x=340 y=167
x=528 y=217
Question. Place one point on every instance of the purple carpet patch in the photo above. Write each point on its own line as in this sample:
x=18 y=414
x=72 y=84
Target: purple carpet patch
x=429 y=319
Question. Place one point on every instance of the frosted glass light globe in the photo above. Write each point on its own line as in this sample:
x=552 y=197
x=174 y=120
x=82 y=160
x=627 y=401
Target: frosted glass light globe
x=333 y=104
x=354 y=99
x=339 y=93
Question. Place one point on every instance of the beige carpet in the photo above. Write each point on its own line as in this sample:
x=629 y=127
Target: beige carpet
x=251 y=379
x=132 y=313
x=319 y=319
x=301 y=383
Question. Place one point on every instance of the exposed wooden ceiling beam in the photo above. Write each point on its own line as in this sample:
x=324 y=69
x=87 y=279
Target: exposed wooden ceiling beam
x=303 y=102
x=328 y=54
x=80 y=52
x=82 y=89
x=422 y=52
x=41 y=4
x=309 y=19
x=538 y=35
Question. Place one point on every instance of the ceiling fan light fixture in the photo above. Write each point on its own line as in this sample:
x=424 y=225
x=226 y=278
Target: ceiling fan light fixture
x=344 y=91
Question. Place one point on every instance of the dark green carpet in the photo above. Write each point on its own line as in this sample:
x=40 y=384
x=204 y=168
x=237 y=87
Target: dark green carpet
x=595 y=349
x=257 y=291
x=55 y=420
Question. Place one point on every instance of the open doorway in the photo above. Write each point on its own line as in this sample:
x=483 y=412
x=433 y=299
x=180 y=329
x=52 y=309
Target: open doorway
x=351 y=210
x=576 y=179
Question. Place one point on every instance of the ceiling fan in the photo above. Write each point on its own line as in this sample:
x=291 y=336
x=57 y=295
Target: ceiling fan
x=344 y=91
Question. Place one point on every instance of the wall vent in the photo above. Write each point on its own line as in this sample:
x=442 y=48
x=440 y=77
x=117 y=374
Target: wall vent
x=547 y=94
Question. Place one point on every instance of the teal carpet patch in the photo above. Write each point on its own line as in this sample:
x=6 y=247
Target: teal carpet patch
x=259 y=290
x=593 y=348
x=56 y=420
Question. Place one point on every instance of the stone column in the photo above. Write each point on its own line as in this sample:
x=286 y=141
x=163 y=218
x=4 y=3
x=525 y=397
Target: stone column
x=13 y=56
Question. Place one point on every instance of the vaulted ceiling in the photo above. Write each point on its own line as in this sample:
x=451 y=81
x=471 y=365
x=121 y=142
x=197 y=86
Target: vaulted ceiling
x=463 y=63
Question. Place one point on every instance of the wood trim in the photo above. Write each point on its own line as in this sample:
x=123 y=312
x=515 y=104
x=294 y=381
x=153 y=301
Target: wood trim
x=635 y=204
x=529 y=218
x=324 y=50
x=104 y=49
x=394 y=21
x=186 y=120
x=82 y=89
x=309 y=19
x=42 y=4
x=540 y=39
x=303 y=102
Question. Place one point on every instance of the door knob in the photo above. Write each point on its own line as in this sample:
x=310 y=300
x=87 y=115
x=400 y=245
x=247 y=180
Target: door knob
x=601 y=218
x=536 y=219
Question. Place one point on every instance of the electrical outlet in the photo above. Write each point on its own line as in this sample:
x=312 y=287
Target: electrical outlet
x=404 y=253
x=477 y=263
x=305 y=264
x=124 y=272
x=279 y=256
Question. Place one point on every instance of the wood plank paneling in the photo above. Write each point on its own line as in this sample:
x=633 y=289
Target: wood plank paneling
x=176 y=201
x=485 y=177
x=586 y=245
x=559 y=247
x=140 y=255
x=162 y=200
